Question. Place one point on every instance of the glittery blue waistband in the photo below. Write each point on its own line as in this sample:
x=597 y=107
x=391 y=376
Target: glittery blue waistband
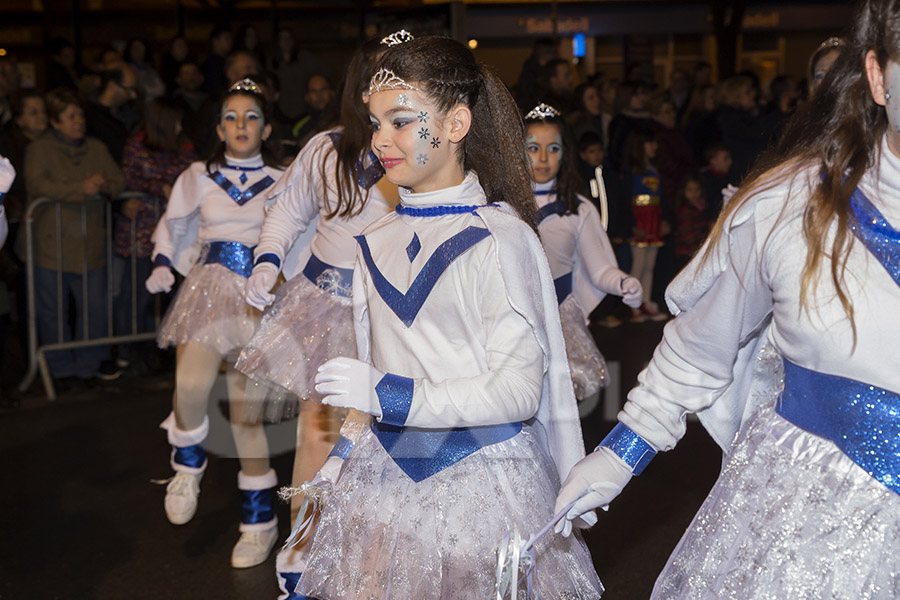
x=861 y=419
x=421 y=453
x=234 y=256
x=333 y=280
x=563 y=287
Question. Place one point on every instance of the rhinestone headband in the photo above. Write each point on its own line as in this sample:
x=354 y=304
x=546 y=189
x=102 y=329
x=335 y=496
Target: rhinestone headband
x=398 y=37
x=246 y=85
x=541 y=111
x=385 y=79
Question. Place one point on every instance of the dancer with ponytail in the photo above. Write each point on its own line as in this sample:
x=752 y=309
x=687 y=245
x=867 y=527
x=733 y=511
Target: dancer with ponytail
x=461 y=360
x=781 y=345
x=218 y=207
x=332 y=191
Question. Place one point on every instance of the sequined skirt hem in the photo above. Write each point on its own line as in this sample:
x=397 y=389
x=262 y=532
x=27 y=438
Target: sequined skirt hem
x=382 y=535
x=791 y=516
x=209 y=309
x=586 y=363
x=304 y=327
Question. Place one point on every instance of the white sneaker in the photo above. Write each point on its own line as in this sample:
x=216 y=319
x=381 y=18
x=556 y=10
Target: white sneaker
x=253 y=548
x=181 y=497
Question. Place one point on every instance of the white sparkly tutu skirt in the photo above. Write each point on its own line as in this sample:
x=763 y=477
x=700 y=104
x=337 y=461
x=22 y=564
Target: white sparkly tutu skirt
x=209 y=309
x=586 y=364
x=791 y=516
x=383 y=536
x=304 y=327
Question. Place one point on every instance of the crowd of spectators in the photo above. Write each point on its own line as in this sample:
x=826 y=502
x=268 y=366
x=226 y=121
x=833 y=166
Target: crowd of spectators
x=674 y=147
x=139 y=115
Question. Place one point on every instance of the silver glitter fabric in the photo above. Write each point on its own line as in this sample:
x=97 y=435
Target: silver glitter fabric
x=209 y=309
x=304 y=327
x=586 y=364
x=790 y=517
x=383 y=536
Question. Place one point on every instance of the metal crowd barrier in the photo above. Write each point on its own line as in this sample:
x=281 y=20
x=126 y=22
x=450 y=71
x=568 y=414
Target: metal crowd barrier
x=36 y=350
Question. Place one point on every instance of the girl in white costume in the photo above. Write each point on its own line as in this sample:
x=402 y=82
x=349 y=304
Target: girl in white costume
x=7 y=176
x=215 y=211
x=784 y=346
x=461 y=357
x=334 y=189
x=581 y=258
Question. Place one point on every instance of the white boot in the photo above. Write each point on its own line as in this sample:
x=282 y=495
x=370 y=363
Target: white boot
x=181 y=497
x=259 y=526
x=189 y=461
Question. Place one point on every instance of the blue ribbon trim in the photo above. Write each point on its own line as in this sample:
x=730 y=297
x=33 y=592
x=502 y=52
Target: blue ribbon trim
x=557 y=207
x=436 y=211
x=881 y=239
x=342 y=448
x=234 y=256
x=862 y=420
x=162 y=260
x=291 y=581
x=268 y=257
x=190 y=456
x=341 y=285
x=563 y=285
x=367 y=171
x=395 y=394
x=407 y=306
x=236 y=194
x=2 y=198
x=257 y=506
x=630 y=447
x=420 y=453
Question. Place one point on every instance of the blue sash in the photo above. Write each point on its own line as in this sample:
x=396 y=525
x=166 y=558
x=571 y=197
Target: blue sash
x=882 y=240
x=557 y=207
x=234 y=256
x=563 y=285
x=421 y=453
x=861 y=419
x=338 y=282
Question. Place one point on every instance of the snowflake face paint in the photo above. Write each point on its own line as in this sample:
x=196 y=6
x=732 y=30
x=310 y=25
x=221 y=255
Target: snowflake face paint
x=545 y=148
x=409 y=139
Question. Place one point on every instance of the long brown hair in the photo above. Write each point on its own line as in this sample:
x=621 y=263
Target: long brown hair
x=356 y=138
x=568 y=183
x=161 y=122
x=838 y=132
x=494 y=148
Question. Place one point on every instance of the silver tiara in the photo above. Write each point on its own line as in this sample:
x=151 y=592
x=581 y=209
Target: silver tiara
x=385 y=79
x=246 y=85
x=398 y=37
x=541 y=111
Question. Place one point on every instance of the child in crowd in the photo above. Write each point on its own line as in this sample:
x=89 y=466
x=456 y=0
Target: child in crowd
x=692 y=222
x=715 y=177
x=581 y=259
x=461 y=356
x=650 y=225
x=217 y=207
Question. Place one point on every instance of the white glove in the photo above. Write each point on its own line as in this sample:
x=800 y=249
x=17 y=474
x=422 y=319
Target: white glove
x=594 y=481
x=350 y=383
x=263 y=278
x=727 y=192
x=632 y=292
x=160 y=280
x=7 y=174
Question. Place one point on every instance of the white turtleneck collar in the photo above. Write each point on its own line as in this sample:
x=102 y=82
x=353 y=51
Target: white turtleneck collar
x=254 y=161
x=468 y=192
x=542 y=195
